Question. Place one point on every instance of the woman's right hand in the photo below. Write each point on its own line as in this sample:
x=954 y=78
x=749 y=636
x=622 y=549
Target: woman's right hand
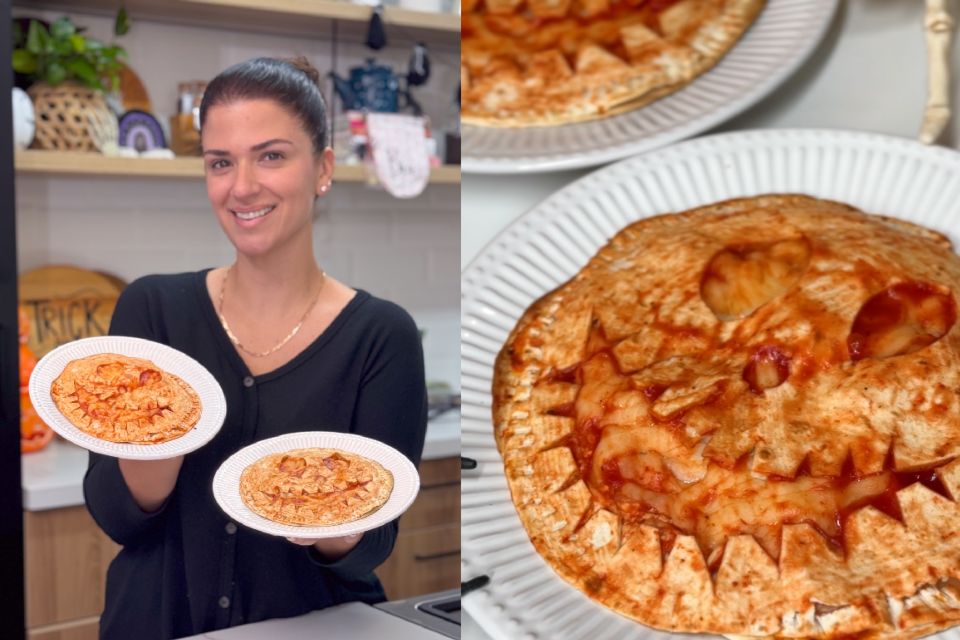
x=150 y=481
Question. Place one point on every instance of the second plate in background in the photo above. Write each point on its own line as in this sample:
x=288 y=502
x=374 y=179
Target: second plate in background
x=783 y=37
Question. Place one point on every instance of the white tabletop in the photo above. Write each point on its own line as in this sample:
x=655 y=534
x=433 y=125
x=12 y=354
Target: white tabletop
x=350 y=621
x=868 y=74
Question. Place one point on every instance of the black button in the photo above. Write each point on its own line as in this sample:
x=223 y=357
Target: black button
x=231 y=528
x=224 y=602
x=248 y=382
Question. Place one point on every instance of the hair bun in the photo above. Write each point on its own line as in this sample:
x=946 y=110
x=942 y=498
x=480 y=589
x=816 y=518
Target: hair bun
x=303 y=64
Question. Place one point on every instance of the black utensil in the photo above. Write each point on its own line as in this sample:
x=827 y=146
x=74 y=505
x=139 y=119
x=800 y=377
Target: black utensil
x=473 y=584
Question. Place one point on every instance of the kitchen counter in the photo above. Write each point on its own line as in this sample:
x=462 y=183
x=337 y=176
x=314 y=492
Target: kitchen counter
x=351 y=621
x=52 y=478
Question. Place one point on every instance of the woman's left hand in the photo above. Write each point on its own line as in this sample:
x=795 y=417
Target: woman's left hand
x=331 y=549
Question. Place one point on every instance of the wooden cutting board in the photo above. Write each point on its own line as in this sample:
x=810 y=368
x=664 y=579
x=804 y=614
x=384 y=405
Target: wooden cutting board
x=65 y=303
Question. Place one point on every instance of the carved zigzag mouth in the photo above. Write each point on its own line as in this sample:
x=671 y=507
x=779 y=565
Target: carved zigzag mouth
x=659 y=474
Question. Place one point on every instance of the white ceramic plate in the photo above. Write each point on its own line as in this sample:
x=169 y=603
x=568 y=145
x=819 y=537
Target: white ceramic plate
x=549 y=244
x=406 y=482
x=213 y=405
x=784 y=35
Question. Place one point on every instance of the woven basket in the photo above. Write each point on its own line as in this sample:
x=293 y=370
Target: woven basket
x=71 y=117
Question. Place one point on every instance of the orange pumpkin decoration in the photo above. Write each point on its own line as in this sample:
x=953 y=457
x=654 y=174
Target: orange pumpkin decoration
x=34 y=433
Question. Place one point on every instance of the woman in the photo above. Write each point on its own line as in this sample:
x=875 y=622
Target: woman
x=293 y=349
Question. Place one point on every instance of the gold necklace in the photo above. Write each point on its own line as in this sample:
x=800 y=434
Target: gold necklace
x=293 y=332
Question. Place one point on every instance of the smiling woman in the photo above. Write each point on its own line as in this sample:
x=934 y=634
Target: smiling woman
x=262 y=189
x=293 y=349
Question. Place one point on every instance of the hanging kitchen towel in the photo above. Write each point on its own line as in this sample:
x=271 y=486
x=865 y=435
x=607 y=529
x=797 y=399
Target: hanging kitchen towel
x=376 y=35
x=400 y=156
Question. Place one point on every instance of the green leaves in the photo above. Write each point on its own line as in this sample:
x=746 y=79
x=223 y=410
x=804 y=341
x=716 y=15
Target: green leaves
x=55 y=73
x=24 y=61
x=37 y=38
x=62 y=29
x=63 y=52
x=122 y=24
x=82 y=69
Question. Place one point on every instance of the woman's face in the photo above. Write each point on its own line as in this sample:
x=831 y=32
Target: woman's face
x=262 y=173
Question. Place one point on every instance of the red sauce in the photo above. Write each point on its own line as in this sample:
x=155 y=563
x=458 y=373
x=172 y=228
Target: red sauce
x=679 y=331
x=668 y=538
x=570 y=375
x=156 y=411
x=611 y=477
x=654 y=391
x=767 y=355
x=516 y=357
x=598 y=342
x=608 y=352
x=927 y=478
x=293 y=465
x=885 y=502
x=583 y=442
x=920 y=305
x=566 y=410
x=149 y=376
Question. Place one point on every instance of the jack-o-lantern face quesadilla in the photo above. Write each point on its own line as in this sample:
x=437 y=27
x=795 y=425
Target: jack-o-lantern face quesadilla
x=315 y=487
x=123 y=399
x=745 y=419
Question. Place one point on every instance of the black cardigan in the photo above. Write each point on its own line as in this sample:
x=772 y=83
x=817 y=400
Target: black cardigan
x=187 y=568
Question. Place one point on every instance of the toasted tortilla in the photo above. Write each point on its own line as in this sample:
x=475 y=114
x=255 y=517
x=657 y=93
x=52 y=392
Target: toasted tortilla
x=123 y=399
x=551 y=62
x=744 y=419
x=315 y=487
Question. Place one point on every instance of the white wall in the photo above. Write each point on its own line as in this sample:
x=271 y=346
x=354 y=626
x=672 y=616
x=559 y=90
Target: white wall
x=405 y=251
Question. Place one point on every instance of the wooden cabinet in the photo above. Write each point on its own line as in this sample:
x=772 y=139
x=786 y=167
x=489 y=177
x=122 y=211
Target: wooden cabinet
x=83 y=630
x=66 y=556
x=65 y=560
x=426 y=557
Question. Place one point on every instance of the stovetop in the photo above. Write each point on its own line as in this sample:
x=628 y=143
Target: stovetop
x=438 y=612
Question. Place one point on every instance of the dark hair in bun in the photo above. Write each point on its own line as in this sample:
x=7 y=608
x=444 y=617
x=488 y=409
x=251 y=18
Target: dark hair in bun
x=295 y=84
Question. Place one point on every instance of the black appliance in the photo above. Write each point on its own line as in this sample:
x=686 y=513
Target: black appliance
x=438 y=612
x=11 y=509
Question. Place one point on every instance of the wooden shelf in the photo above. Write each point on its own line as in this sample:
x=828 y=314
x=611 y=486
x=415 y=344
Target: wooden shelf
x=97 y=165
x=292 y=17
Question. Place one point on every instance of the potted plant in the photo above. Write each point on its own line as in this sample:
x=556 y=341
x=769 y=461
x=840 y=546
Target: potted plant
x=69 y=74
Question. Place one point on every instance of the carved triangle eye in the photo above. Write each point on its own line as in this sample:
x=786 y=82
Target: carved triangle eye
x=768 y=367
x=739 y=279
x=901 y=319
